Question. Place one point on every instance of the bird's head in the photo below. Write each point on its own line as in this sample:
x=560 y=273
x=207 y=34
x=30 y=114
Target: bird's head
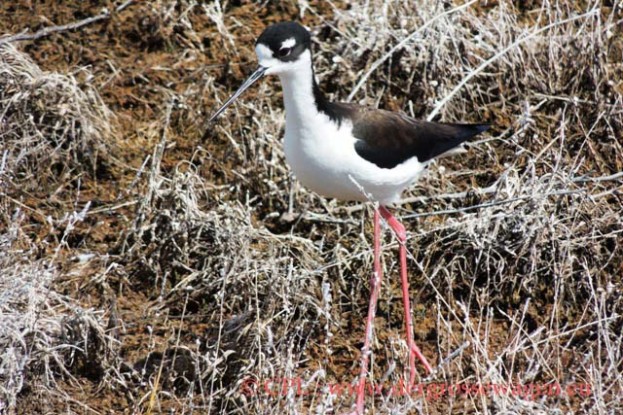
x=281 y=49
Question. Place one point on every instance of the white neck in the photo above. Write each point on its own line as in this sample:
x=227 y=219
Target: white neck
x=298 y=94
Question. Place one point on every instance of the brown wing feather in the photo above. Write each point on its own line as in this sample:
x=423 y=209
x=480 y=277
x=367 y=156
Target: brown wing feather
x=388 y=138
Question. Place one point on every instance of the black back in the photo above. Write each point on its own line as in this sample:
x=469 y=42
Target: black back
x=388 y=138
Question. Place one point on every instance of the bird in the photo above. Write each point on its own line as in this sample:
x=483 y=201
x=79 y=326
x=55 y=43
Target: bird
x=352 y=153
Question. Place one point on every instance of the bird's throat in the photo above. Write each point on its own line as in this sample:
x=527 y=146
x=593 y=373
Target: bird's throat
x=300 y=96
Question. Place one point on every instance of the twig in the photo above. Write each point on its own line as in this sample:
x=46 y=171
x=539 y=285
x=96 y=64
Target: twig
x=400 y=44
x=583 y=179
x=489 y=61
x=158 y=154
x=317 y=217
x=490 y=204
x=108 y=209
x=47 y=31
x=447 y=360
x=452 y=196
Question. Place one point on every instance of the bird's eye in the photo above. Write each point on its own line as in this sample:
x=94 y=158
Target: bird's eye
x=283 y=52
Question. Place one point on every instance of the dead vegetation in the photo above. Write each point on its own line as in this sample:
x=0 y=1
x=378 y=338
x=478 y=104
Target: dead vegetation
x=145 y=271
x=52 y=129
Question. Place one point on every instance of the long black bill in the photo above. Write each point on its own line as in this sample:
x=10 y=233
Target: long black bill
x=259 y=72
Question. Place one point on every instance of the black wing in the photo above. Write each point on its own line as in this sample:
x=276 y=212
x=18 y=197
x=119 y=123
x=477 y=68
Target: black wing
x=388 y=138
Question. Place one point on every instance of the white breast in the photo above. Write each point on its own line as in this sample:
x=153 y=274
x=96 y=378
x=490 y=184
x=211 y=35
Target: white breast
x=319 y=156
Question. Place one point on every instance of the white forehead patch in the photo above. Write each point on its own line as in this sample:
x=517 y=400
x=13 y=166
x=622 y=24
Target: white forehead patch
x=263 y=52
x=288 y=43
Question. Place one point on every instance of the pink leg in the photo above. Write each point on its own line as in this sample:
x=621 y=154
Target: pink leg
x=414 y=351
x=375 y=287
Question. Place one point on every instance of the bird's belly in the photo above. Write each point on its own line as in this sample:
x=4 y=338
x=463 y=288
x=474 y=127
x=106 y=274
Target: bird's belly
x=321 y=170
x=327 y=163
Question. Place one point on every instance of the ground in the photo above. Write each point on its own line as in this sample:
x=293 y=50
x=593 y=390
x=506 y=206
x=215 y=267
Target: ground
x=154 y=263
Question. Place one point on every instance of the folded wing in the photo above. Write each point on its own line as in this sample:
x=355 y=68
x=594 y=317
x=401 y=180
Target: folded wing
x=387 y=138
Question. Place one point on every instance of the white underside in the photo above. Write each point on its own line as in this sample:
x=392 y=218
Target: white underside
x=324 y=160
x=322 y=155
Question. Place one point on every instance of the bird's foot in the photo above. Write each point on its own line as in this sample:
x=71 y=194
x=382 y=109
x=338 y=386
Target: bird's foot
x=415 y=351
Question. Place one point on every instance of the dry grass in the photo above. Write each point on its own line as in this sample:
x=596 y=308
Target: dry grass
x=52 y=129
x=51 y=133
x=46 y=337
x=227 y=272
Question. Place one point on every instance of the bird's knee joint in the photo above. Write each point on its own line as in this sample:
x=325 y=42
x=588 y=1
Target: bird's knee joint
x=401 y=232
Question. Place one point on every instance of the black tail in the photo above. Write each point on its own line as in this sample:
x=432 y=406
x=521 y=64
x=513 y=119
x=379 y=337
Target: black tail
x=445 y=137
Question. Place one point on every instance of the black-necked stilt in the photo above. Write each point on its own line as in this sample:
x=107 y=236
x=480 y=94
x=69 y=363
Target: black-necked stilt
x=350 y=152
